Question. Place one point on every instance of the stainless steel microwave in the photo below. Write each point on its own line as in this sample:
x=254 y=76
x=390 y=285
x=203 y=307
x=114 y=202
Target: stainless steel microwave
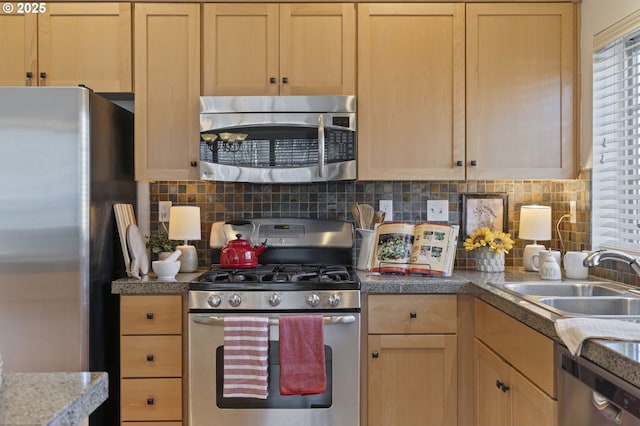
x=277 y=139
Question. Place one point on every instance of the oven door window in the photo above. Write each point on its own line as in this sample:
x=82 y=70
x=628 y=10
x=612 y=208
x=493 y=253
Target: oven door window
x=275 y=400
x=276 y=146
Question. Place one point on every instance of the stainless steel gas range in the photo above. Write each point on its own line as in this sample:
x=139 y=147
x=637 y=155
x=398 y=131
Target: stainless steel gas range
x=306 y=270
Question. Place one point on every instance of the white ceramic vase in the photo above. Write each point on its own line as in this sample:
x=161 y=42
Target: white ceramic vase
x=489 y=260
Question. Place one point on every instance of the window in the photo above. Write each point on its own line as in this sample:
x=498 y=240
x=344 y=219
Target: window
x=616 y=142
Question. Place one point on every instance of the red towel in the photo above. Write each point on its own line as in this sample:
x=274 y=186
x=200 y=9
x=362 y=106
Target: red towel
x=246 y=350
x=302 y=366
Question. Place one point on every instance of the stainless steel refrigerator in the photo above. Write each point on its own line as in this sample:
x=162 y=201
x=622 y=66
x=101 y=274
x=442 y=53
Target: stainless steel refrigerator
x=66 y=156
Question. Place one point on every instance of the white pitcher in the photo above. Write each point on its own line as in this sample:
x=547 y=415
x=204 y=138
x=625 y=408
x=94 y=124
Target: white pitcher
x=550 y=269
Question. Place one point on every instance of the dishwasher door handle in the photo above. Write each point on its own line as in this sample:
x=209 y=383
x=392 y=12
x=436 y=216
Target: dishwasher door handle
x=607 y=408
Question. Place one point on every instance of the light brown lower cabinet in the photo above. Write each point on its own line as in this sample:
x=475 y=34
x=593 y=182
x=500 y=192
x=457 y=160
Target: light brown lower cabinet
x=151 y=354
x=514 y=372
x=412 y=366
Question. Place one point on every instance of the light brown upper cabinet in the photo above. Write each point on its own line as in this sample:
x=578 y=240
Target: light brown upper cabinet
x=521 y=72
x=167 y=90
x=505 y=109
x=279 y=49
x=411 y=91
x=66 y=45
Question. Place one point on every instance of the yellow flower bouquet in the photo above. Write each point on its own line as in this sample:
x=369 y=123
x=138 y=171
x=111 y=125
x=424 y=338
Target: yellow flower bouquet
x=498 y=241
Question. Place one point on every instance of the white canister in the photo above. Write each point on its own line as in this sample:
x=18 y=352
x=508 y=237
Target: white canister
x=538 y=258
x=573 y=266
x=550 y=269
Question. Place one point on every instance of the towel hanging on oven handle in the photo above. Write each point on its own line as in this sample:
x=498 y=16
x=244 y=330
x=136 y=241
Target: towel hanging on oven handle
x=328 y=320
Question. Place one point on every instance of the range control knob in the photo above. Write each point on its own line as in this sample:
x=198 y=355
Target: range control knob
x=235 y=300
x=334 y=300
x=313 y=300
x=274 y=299
x=214 y=301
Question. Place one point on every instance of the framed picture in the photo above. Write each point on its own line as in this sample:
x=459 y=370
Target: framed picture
x=480 y=210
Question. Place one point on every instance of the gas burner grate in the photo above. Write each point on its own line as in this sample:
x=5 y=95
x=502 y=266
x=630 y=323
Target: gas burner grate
x=279 y=274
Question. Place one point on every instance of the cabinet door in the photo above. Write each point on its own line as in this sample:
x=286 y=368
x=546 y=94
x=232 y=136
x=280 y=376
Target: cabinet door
x=85 y=43
x=412 y=380
x=240 y=49
x=317 y=49
x=530 y=405
x=167 y=90
x=520 y=90
x=18 y=49
x=492 y=405
x=411 y=67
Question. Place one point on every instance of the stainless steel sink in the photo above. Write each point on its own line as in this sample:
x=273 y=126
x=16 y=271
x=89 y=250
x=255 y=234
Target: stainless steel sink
x=595 y=306
x=579 y=298
x=581 y=289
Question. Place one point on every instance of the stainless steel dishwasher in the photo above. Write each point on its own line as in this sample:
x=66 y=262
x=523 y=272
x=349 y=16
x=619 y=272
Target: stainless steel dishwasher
x=588 y=395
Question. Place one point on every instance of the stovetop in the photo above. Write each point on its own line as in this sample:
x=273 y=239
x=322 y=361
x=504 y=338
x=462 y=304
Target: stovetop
x=285 y=277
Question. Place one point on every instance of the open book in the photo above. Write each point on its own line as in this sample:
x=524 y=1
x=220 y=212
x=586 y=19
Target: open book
x=426 y=248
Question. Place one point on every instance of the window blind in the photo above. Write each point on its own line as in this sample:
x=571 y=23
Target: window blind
x=616 y=144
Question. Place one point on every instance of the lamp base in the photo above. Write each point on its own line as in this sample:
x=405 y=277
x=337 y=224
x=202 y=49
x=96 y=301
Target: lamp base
x=188 y=259
x=527 y=257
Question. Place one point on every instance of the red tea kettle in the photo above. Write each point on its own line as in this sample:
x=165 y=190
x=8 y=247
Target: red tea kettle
x=239 y=253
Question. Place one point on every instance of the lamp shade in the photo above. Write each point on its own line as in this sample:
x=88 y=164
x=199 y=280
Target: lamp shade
x=535 y=223
x=184 y=223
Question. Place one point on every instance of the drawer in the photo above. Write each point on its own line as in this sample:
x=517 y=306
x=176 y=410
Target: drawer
x=528 y=351
x=151 y=399
x=151 y=356
x=150 y=314
x=412 y=314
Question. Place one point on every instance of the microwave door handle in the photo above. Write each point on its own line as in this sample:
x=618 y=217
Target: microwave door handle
x=320 y=146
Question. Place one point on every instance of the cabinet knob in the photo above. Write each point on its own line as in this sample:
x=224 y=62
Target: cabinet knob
x=473 y=163
x=272 y=80
x=504 y=388
x=150 y=401
x=43 y=75
x=149 y=315
x=285 y=80
x=149 y=357
x=194 y=164
x=459 y=163
x=374 y=355
x=413 y=315
x=29 y=74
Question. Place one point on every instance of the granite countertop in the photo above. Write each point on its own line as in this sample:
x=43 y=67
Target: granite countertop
x=620 y=358
x=50 y=399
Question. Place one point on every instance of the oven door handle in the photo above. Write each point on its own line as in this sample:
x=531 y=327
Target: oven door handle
x=328 y=320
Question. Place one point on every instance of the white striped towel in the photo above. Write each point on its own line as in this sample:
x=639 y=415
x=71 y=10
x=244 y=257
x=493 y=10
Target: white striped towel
x=574 y=331
x=246 y=350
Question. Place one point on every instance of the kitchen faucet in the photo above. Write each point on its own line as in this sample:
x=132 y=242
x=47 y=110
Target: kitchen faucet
x=594 y=259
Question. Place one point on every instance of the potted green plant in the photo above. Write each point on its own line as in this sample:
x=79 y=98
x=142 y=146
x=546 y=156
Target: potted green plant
x=161 y=245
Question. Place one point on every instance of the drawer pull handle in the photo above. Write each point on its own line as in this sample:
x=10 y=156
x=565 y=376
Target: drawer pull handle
x=150 y=357
x=504 y=388
x=150 y=401
x=374 y=355
x=413 y=315
x=149 y=315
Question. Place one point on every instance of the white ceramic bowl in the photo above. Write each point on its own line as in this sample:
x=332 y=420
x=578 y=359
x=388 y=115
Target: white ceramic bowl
x=165 y=270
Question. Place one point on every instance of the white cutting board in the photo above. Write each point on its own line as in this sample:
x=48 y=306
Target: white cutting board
x=124 y=217
x=138 y=252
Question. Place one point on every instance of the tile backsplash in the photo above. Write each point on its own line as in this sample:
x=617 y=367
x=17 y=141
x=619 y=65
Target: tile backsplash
x=222 y=201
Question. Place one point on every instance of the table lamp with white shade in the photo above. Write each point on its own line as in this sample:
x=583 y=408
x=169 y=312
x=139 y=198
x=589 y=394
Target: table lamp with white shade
x=535 y=224
x=184 y=224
